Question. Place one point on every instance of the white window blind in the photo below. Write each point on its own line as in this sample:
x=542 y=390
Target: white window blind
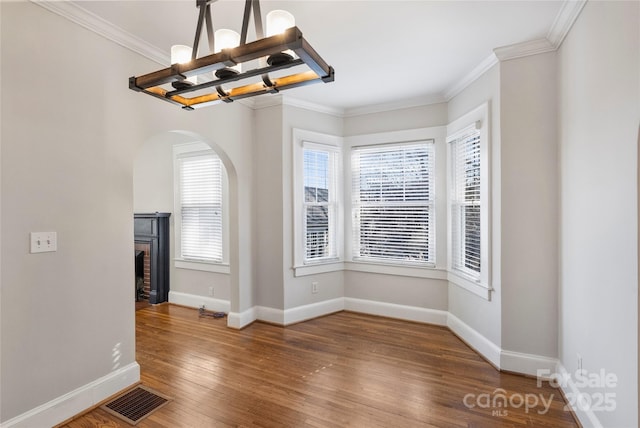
x=393 y=203
x=320 y=203
x=466 y=204
x=200 y=181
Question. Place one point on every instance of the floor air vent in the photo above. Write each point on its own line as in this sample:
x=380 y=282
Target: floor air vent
x=136 y=404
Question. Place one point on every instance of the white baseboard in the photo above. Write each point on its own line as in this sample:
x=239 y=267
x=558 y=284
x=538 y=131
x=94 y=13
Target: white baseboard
x=313 y=310
x=195 y=301
x=478 y=342
x=512 y=361
x=240 y=320
x=587 y=418
x=270 y=315
x=69 y=405
x=392 y=310
x=299 y=313
x=528 y=364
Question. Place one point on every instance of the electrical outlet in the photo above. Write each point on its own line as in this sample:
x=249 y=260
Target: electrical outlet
x=43 y=242
x=211 y=291
x=314 y=287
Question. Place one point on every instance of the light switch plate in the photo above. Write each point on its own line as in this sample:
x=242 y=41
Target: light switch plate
x=43 y=242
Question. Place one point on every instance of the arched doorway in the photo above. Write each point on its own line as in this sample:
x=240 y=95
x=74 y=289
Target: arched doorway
x=154 y=186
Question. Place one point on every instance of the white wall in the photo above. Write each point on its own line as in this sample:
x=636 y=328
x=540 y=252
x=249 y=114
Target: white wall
x=397 y=120
x=269 y=209
x=599 y=112
x=397 y=290
x=481 y=315
x=68 y=146
x=529 y=216
x=65 y=168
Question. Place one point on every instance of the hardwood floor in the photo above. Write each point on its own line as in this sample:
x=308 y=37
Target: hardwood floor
x=344 y=369
x=142 y=304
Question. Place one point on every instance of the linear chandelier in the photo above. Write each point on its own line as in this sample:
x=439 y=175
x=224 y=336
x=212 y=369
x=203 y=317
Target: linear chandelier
x=219 y=76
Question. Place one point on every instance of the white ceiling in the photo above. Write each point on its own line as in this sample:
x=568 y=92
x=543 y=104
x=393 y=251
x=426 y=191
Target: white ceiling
x=383 y=52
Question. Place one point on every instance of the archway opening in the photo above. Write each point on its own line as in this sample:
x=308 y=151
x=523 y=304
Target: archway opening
x=209 y=282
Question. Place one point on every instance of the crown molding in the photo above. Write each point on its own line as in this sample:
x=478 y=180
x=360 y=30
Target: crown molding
x=471 y=77
x=519 y=50
x=565 y=19
x=395 y=105
x=94 y=23
x=297 y=102
x=569 y=12
x=257 y=103
x=275 y=100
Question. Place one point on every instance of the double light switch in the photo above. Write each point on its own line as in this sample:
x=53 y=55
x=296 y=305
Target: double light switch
x=42 y=242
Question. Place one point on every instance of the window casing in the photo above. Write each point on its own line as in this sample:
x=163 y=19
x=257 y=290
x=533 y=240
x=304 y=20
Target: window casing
x=393 y=203
x=317 y=203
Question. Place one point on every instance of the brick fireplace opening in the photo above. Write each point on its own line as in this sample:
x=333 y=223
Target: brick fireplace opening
x=143 y=271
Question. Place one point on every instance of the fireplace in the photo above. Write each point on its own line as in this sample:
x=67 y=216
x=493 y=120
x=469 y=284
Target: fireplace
x=152 y=257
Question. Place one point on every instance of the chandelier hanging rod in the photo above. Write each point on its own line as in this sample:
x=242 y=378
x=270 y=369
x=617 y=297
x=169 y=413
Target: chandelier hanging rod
x=204 y=13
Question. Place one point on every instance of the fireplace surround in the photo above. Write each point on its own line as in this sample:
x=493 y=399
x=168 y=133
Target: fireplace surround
x=152 y=229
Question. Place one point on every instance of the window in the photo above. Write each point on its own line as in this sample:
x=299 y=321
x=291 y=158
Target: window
x=199 y=202
x=468 y=207
x=465 y=204
x=320 y=203
x=393 y=203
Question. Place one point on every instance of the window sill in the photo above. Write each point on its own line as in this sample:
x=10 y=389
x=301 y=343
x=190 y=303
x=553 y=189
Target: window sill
x=317 y=268
x=474 y=287
x=398 y=270
x=202 y=266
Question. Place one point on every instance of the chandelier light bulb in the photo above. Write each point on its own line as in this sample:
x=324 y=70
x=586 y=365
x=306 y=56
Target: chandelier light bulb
x=226 y=39
x=278 y=21
x=181 y=54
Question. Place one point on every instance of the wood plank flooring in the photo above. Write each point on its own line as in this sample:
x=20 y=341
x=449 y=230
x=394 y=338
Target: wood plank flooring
x=342 y=370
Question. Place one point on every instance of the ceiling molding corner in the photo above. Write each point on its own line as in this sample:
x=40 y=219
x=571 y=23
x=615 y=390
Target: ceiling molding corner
x=297 y=102
x=519 y=50
x=565 y=19
x=471 y=77
x=94 y=23
x=266 y=101
x=569 y=12
x=257 y=103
